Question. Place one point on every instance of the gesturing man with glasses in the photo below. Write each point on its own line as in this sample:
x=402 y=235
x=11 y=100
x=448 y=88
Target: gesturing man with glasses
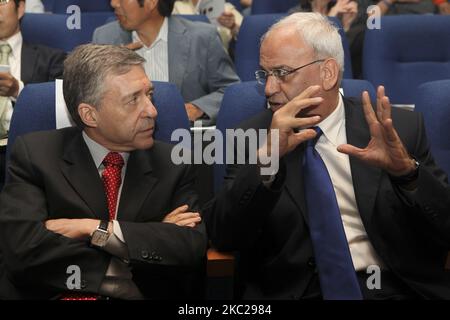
x=353 y=192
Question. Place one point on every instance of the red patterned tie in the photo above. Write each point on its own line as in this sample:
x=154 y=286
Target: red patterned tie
x=112 y=178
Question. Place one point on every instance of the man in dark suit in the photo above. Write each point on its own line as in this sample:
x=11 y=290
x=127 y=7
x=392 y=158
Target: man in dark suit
x=376 y=226
x=27 y=63
x=102 y=198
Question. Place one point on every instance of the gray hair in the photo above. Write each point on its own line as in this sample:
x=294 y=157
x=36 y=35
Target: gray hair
x=85 y=72
x=318 y=32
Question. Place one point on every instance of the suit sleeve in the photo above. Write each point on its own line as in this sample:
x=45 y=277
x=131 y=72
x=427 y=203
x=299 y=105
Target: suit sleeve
x=56 y=65
x=220 y=74
x=159 y=244
x=35 y=257
x=431 y=199
x=235 y=217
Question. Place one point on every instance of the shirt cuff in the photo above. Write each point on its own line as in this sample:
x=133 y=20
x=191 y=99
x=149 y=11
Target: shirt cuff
x=116 y=245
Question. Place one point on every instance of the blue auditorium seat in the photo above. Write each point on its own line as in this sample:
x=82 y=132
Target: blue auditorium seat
x=52 y=30
x=433 y=101
x=408 y=50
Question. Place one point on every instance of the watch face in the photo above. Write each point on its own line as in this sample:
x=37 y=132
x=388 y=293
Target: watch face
x=99 y=238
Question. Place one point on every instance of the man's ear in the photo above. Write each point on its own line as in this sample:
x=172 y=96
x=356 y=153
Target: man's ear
x=88 y=115
x=21 y=9
x=151 y=5
x=329 y=74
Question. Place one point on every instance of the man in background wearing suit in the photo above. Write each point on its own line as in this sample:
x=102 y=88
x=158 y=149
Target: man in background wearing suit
x=26 y=63
x=103 y=197
x=354 y=195
x=186 y=53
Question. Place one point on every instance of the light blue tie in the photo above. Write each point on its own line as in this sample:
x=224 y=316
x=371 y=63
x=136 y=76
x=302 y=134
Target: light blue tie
x=337 y=275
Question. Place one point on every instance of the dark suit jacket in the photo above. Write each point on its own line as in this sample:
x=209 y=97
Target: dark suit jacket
x=40 y=63
x=53 y=176
x=270 y=227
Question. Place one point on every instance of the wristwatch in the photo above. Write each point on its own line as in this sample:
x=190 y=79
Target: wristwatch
x=408 y=178
x=100 y=236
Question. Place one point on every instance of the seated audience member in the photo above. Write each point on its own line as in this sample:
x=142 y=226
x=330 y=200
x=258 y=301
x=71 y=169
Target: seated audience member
x=103 y=197
x=186 y=53
x=229 y=21
x=357 y=193
x=21 y=63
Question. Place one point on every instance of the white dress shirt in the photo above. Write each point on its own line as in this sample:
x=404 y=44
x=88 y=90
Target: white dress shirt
x=338 y=165
x=157 y=64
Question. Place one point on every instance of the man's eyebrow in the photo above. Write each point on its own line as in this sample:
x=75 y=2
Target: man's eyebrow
x=283 y=66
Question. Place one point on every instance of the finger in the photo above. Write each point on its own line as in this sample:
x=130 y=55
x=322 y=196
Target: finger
x=188 y=215
x=351 y=150
x=368 y=110
x=292 y=106
x=178 y=210
x=296 y=106
x=186 y=222
x=303 y=123
x=387 y=108
x=380 y=96
x=300 y=137
x=391 y=133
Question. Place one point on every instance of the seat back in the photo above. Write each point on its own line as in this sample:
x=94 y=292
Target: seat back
x=35 y=111
x=433 y=101
x=408 y=50
x=60 y=6
x=272 y=6
x=53 y=29
x=243 y=100
x=249 y=43
x=48 y=5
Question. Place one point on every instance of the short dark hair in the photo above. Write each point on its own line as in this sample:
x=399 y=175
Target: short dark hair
x=17 y=2
x=165 y=7
x=86 y=69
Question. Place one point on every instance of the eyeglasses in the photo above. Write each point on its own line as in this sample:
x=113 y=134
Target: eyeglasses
x=262 y=75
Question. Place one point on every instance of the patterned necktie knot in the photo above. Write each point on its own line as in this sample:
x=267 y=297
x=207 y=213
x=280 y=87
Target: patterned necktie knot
x=113 y=159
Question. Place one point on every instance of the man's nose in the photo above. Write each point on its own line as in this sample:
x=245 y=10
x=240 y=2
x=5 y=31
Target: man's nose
x=272 y=86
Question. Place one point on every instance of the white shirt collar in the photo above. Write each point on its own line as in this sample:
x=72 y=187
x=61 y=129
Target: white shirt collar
x=15 y=42
x=99 y=152
x=162 y=35
x=332 y=124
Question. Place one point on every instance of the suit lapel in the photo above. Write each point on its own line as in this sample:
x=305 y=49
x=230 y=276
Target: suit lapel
x=366 y=179
x=79 y=169
x=28 y=59
x=178 y=51
x=294 y=179
x=138 y=183
x=293 y=161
